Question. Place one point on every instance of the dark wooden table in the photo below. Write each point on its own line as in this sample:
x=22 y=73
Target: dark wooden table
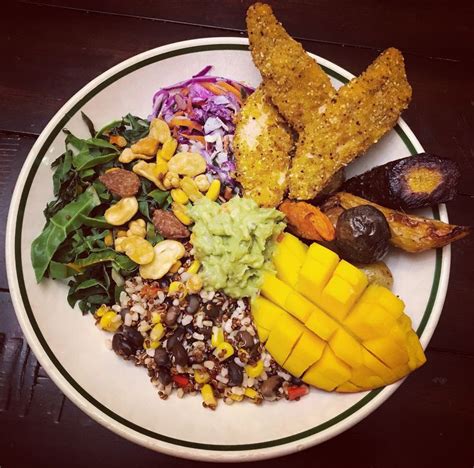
x=49 y=50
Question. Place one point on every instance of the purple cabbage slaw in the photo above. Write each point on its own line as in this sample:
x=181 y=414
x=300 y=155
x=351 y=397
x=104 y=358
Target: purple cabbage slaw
x=213 y=116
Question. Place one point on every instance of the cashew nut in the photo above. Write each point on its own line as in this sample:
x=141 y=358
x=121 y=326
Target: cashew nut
x=188 y=164
x=136 y=248
x=167 y=252
x=152 y=171
x=159 y=129
x=147 y=146
x=124 y=210
x=137 y=228
x=128 y=155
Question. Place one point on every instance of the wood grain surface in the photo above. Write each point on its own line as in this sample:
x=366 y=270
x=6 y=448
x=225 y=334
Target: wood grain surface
x=51 y=49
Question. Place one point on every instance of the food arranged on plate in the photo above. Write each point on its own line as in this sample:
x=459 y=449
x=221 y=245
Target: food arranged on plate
x=219 y=244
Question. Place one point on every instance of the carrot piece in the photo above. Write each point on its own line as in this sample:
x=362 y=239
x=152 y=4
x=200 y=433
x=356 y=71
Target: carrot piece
x=212 y=88
x=231 y=89
x=179 y=122
x=307 y=221
x=194 y=137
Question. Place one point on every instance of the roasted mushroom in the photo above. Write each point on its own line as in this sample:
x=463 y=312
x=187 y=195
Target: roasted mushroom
x=362 y=234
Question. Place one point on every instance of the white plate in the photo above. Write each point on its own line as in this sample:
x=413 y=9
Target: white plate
x=119 y=395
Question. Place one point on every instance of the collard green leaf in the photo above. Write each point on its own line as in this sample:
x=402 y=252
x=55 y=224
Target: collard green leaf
x=159 y=196
x=63 y=167
x=60 y=270
x=59 y=226
x=99 y=143
x=86 y=160
x=97 y=222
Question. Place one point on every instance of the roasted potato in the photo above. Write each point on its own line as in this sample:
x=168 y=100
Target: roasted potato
x=378 y=273
x=408 y=232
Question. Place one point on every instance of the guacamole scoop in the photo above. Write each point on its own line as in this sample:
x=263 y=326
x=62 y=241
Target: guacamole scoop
x=234 y=243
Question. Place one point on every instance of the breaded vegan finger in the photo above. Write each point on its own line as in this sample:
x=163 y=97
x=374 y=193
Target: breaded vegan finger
x=362 y=112
x=293 y=80
x=262 y=146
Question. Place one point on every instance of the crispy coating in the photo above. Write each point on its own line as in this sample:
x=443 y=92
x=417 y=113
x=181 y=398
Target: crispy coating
x=262 y=146
x=295 y=83
x=409 y=232
x=362 y=112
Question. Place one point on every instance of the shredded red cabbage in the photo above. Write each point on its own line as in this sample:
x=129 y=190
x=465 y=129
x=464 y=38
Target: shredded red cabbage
x=206 y=106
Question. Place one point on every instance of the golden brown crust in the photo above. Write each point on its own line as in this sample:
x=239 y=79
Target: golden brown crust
x=362 y=112
x=262 y=146
x=293 y=80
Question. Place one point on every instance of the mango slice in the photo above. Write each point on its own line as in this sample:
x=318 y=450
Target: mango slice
x=323 y=323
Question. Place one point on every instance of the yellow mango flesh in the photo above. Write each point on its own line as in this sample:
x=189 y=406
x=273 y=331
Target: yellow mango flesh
x=306 y=352
x=324 y=324
x=283 y=337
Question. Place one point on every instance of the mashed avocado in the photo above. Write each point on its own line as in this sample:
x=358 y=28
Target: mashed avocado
x=234 y=243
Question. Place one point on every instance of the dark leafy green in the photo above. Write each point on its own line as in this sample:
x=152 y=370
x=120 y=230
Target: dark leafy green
x=59 y=226
x=74 y=243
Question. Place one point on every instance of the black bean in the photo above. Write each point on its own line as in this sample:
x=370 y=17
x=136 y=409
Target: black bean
x=213 y=311
x=180 y=355
x=245 y=339
x=172 y=316
x=270 y=386
x=161 y=357
x=164 y=376
x=175 y=337
x=121 y=346
x=206 y=331
x=194 y=301
x=235 y=374
x=133 y=336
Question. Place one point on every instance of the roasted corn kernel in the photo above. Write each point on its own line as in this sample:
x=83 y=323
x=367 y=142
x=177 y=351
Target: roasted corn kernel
x=223 y=351
x=254 y=371
x=201 y=376
x=208 y=397
x=157 y=332
x=176 y=287
x=214 y=190
x=194 y=284
x=110 y=321
x=217 y=336
x=167 y=150
x=194 y=267
x=251 y=393
x=180 y=212
x=179 y=196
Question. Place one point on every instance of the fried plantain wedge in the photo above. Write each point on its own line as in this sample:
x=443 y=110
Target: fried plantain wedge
x=409 y=232
x=293 y=80
x=362 y=112
x=262 y=146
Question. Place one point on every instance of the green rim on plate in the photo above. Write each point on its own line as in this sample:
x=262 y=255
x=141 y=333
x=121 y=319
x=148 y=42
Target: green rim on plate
x=18 y=261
